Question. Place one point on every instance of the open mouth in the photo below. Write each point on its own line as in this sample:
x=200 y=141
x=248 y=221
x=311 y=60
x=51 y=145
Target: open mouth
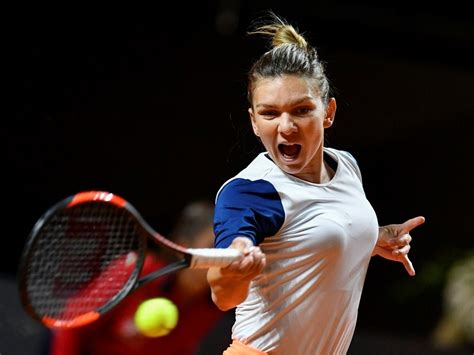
x=289 y=151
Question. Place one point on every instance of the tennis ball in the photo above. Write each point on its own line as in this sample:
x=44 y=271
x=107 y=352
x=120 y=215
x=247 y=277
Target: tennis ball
x=156 y=317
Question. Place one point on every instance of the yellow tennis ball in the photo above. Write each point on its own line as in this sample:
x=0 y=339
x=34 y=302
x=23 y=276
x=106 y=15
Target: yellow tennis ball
x=156 y=317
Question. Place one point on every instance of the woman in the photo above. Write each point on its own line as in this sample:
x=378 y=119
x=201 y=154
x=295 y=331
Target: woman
x=299 y=214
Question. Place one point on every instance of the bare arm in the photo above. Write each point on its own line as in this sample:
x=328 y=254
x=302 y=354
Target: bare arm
x=230 y=285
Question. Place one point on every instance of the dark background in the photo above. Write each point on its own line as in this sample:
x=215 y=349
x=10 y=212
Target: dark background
x=149 y=103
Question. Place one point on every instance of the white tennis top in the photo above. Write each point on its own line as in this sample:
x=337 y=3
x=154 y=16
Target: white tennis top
x=318 y=240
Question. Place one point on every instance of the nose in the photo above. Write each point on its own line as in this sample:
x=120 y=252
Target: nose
x=286 y=124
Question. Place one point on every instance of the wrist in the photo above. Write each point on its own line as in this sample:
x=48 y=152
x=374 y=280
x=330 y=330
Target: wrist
x=375 y=251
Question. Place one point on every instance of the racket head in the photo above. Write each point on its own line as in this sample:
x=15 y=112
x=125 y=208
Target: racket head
x=82 y=257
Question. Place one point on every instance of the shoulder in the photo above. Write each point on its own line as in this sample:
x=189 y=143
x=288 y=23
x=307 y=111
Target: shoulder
x=248 y=208
x=240 y=190
x=344 y=154
x=250 y=178
x=346 y=158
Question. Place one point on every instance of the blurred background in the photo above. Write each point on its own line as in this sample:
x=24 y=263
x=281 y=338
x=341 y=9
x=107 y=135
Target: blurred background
x=150 y=103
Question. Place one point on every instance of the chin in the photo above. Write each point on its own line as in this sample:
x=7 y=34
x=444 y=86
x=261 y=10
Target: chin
x=290 y=168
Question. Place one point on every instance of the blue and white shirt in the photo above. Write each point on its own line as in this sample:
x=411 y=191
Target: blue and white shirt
x=318 y=240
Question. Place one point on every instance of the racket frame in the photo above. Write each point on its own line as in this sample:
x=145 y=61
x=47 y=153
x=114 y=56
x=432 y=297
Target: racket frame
x=133 y=282
x=144 y=230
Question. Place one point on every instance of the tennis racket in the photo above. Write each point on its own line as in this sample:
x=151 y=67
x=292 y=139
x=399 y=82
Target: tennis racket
x=85 y=254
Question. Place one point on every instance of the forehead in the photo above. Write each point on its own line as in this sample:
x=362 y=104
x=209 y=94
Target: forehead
x=287 y=88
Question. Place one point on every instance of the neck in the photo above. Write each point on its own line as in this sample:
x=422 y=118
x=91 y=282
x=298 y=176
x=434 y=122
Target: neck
x=318 y=172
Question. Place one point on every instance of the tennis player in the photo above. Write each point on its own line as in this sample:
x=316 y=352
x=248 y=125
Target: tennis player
x=299 y=213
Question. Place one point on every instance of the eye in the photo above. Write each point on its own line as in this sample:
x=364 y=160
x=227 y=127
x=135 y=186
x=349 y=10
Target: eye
x=268 y=114
x=301 y=111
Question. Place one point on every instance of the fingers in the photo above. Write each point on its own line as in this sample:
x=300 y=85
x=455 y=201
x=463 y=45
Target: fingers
x=408 y=265
x=411 y=224
x=401 y=257
x=258 y=261
x=396 y=243
x=252 y=262
x=401 y=246
x=402 y=251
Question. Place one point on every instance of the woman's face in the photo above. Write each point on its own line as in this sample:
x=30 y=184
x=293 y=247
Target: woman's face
x=289 y=116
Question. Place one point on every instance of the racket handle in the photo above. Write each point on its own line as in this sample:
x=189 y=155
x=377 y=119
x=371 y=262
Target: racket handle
x=204 y=258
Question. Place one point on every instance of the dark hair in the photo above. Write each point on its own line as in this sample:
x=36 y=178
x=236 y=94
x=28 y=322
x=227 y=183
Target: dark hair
x=290 y=55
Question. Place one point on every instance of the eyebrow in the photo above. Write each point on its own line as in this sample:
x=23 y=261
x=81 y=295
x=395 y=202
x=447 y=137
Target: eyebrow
x=297 y=102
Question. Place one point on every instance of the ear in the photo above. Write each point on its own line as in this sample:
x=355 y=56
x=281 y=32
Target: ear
x=330 y=113
x=252 y=120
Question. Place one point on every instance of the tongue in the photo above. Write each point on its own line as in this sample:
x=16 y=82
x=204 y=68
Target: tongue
x=290 y=150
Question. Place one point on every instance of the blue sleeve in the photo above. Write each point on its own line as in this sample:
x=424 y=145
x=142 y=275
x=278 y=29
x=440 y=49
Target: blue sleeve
x=246 y=208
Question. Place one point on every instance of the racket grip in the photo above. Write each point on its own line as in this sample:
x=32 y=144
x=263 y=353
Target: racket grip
x=204 y=258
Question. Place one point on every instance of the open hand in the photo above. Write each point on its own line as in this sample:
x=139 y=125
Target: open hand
x=394 y=242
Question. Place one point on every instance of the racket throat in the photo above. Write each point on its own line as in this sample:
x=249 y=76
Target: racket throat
x=162 y=272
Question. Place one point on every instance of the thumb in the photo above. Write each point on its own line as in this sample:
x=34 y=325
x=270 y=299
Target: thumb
x=243 y=244
x=408 y=265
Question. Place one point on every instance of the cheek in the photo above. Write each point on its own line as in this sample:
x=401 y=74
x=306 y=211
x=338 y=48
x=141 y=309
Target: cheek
x=313 y=135
x=315 y=129
x=266 y=133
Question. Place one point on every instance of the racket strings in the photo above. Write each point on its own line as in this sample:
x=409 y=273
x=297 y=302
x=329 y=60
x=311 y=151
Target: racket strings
x=83 y=259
